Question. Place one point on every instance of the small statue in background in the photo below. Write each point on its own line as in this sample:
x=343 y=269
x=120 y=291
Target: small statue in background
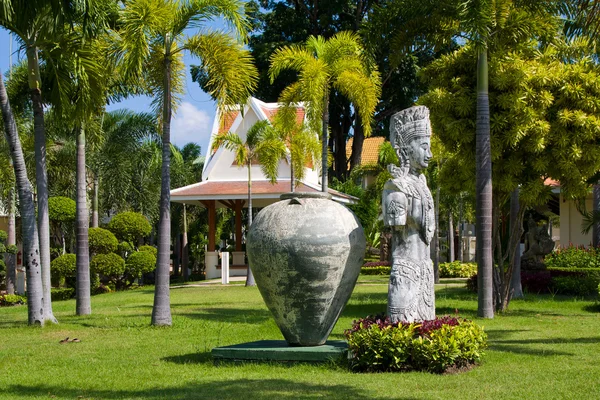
x=538 y=244
x=408 y=210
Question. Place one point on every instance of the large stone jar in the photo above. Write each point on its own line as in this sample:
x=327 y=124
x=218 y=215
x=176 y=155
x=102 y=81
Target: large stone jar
x=306 y=252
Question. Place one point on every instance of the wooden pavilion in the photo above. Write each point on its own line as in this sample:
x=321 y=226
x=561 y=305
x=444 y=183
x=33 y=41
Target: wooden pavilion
x=225 y=184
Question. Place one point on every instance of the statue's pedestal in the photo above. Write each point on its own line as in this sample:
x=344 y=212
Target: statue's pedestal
x=280 y=351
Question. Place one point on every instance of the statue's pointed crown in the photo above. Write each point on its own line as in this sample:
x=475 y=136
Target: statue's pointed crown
x=409 y=124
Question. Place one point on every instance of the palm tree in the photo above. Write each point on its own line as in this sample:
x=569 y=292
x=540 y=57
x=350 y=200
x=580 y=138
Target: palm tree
x=152 y=45
x=37 y=24
x=262 y=143
x=35 y=301
x=324 y=64
x=302 y=143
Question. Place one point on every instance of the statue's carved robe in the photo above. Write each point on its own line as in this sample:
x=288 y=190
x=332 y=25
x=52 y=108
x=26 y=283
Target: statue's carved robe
x=408 y=210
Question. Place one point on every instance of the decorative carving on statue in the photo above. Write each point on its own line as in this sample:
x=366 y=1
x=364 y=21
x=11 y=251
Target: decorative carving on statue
x=408 y=211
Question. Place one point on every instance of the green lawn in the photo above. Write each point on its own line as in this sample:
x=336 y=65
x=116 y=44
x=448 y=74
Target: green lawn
x=543 y=348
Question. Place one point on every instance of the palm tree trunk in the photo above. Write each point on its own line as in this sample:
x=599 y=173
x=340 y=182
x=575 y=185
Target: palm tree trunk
x=95 y=201
x=31 y=250
x=41 y=176
x=11 y=259
x=436 y=238
x=459 y=256
x=250 y=275
x=596 y=208
x=515 y=282
x=185 y=247
x=161 y=311
x=483 y=212
x=324 y=152
x=292 y=188
x=450 y=237
x=83 y=302
x=357 y=142
x=176 y=253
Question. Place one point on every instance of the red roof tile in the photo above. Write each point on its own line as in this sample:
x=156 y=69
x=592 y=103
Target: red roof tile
x=370 y=151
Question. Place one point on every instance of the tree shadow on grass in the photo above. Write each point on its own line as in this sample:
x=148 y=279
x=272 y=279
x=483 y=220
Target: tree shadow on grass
x=227 y=389
x=204 y=357
x=249 y=315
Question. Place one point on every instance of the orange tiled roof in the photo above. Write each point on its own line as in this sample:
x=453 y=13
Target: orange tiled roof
x=370 y=149
x=214 y=189
x=271 y=112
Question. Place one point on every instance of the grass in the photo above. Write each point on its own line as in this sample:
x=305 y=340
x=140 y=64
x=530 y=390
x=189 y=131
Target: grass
x=544 y=348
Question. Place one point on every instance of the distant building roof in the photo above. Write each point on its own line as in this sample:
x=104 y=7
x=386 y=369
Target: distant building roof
x=370 y=149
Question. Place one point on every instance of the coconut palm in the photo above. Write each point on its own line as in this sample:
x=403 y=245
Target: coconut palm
x=337 y=63
x=153 y=40
x=262 y=143
x=35 y=302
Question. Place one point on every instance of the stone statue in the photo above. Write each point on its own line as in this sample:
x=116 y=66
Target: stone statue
x=408 y=211
x=538 y=244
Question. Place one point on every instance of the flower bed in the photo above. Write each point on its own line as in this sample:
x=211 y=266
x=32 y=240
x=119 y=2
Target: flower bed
x=440 y=345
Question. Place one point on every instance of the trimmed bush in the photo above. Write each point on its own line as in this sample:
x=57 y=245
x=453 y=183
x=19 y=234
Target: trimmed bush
x=456 y=269
x=125 y=247
x=110 y=265
x=102 y=241
x=12 y=300
x=3 y=236
x=2 y=248
x=62 y=294
x=12 y=249
x=64 y=266
x=150 y=249
x=140 y=262
x=129 y=226
x=61 y=209
x=376 y=268
x=436 y=346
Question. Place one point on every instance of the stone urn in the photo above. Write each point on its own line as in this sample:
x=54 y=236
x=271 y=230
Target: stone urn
x=306 y=252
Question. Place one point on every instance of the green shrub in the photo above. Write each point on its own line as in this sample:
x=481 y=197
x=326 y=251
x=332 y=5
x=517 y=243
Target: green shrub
x=456 y=269
x=62 y=294
x=12 y=249
x=61 y=209
x=3 y=236
x=129 y=226
x=150 y=249
x=378 y=345
x=573 y=257
x=376 y=268
x=380 y=270
x=12 y=300
x=575 y=285
x=2 y=248
x=140 y=262
x=125 y=248
x=110 y=265
x=102 y=241
x=64 y=266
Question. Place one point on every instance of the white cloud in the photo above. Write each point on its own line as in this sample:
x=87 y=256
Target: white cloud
x=191 y=125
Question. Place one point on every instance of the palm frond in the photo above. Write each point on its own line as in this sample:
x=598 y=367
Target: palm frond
x=292 y=57
x=193 y=13
x=227 y=72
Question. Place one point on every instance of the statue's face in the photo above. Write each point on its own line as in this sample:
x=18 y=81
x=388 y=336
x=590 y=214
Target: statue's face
x=419 y=152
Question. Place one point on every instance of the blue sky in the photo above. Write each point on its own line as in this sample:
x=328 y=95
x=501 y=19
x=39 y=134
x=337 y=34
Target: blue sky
x=192 y=122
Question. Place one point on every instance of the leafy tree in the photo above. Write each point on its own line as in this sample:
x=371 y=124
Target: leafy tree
x=262 y=142
x=544 y=116
x=102 y=241
x=64 y=266
x=129 y=226
x=61 y=211
x=153 y=42
x=324 y=64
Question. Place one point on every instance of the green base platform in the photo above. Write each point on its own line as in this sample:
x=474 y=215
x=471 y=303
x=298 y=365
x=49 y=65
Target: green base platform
x=280 y=351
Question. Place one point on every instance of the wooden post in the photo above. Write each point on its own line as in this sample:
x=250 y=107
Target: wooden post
x=238 y=224
x=212 y=223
